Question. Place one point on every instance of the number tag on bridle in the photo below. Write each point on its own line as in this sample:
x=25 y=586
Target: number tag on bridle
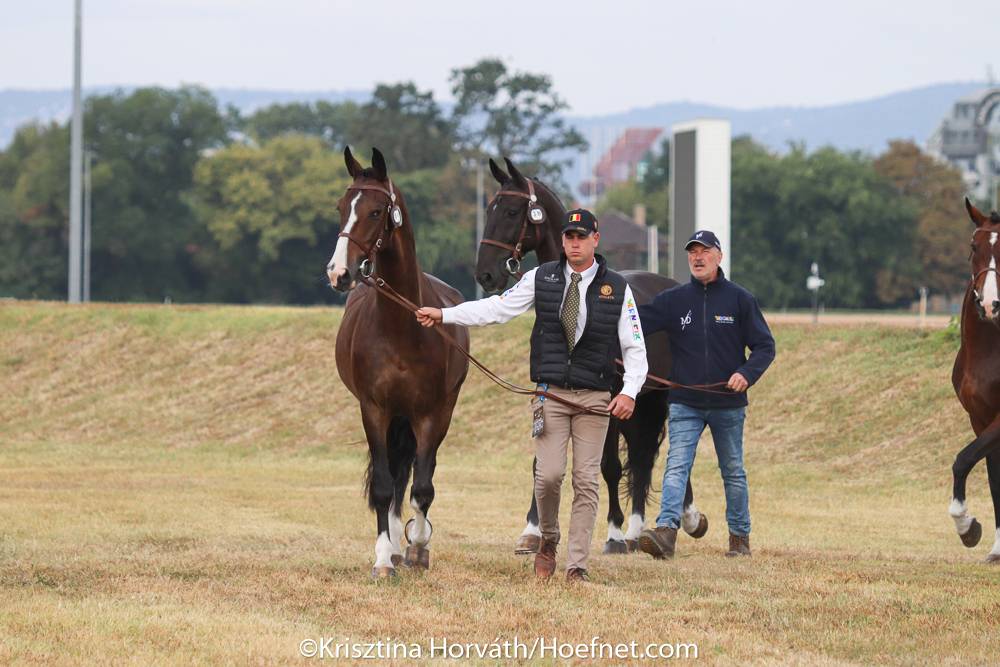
x=536 y=214
x=397 y=217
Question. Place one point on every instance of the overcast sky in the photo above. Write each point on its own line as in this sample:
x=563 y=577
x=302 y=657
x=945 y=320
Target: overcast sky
x=603 y=56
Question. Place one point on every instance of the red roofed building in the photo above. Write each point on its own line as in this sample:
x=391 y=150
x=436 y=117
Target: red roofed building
x=619 y=163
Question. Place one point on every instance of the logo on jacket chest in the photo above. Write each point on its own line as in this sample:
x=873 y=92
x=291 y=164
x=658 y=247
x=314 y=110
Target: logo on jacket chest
x=686 y=320
x=607 y=292
x=725 y=319
x=551 y=278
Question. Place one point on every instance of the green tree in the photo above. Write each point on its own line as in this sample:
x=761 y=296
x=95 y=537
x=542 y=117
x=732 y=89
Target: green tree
x=145 y=236
x=942 y=233
x=513 y=114
x=333 y=122
x=271 y=212
x=34 y=199
x=828 y=207
x=407 y=126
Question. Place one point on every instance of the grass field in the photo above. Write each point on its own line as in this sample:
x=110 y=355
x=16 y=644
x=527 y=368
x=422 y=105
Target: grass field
x=183 y=485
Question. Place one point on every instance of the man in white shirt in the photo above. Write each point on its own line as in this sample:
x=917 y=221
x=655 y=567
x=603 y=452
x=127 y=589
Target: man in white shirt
x=584 y=313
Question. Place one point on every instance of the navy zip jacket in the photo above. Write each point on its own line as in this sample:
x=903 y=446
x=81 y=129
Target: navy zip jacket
x=710 y=326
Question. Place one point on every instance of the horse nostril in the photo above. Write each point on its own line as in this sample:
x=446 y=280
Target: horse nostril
x=487 y=278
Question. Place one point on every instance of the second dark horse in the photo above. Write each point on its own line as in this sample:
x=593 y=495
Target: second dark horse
x=512 y=232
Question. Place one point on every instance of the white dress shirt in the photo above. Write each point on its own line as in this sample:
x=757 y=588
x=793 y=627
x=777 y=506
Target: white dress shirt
x=501 y=308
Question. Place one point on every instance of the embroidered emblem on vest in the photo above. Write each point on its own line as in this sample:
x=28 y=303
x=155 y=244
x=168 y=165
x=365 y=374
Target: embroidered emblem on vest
x=607 y=291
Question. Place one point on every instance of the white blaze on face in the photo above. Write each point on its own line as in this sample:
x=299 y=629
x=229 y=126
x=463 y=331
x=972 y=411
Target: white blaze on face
x=338 y=263
x=990 y=292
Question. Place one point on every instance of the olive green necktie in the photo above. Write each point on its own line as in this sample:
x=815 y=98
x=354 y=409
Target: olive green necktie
x=571 y=310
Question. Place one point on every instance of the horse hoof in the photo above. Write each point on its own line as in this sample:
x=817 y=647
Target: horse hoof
x=615 y=547
x=406 y=529
x=527 y=544
x=973 y=534
x=383 y=572
x=702 y=528
x=992 y=558
x=397 y=559
x=633 y=545
x=418 y=558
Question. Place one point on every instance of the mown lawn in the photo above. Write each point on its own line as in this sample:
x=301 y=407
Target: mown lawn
x=183 y=485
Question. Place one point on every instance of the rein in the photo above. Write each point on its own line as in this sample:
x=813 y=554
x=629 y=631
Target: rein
x=381 y=286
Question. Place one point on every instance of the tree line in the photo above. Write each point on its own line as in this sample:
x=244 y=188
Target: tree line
x=194 y=202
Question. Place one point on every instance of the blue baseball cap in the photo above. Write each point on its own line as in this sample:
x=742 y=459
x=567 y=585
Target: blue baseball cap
x=705 y=238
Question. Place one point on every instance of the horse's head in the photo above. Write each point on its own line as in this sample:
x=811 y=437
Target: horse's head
x=985 y=264
x=370 y=211
x=515 y=225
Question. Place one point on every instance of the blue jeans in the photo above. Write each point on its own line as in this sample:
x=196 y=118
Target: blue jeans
x=686 y=425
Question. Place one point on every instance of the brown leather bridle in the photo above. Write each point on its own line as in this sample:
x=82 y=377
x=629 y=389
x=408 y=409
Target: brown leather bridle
x=393 y=220
x=513 y=263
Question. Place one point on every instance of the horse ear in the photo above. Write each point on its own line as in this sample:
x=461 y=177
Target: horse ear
x=353 y=166
x=515 y=174
x=975 y=214
x=502 y=176
x=378 y=164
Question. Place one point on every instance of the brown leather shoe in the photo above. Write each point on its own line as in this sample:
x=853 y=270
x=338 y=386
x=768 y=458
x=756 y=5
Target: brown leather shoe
x=739 y=545
x=577 y=575
x=658 y=542
x=545 y=560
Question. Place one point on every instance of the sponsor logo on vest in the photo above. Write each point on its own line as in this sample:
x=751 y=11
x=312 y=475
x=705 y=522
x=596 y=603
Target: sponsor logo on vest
x=551 y=278
x=725 y=319
x=606 y=291
x=686 y=320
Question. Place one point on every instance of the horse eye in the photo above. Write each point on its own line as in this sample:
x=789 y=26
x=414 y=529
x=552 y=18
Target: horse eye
x=511 y=213
x=374 y=214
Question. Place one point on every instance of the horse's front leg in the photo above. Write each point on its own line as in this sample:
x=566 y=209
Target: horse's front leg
x=429 y=434
x=993 y=469
x=379 y=487
x=985 y=444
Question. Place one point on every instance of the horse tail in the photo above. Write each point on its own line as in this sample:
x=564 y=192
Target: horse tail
x=401 y=444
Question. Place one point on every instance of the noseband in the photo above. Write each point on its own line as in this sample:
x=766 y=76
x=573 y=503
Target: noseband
x=394 y=219
x=513 y=263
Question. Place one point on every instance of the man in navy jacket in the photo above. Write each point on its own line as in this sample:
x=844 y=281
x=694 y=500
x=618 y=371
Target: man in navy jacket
x=711 y=322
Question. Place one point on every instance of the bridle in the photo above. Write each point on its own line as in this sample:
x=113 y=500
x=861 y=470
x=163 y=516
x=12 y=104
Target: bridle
x=975 y=276
x=394 y=220
x=534 y=214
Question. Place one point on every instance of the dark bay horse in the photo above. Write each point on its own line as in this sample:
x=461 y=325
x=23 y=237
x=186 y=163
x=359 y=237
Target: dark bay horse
x=405 y=377
x=976 y=377
x=511 y=233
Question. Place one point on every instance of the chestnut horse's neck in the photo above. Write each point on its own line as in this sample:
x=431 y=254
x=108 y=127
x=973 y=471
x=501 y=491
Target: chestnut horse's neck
x=549 y=248
x=397 y=266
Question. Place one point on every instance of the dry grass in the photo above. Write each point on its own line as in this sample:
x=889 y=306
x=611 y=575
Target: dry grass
x=182 y=485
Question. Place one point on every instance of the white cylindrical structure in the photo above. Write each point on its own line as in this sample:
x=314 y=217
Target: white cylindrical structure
x=700 y=166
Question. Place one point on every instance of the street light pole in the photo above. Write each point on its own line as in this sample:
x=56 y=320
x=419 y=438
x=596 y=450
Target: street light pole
x=75 y=172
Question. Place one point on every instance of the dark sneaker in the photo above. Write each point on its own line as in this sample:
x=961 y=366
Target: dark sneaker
x=658 y=542
x=576 y=575
x=545 y=560
x=739 y=545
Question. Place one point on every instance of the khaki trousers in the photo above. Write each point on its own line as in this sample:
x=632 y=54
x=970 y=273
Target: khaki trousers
x=588 y=432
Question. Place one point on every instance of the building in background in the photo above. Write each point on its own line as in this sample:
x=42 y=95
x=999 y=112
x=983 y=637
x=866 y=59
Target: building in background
x=621 y=162
x=970 y=140
x=625 y=240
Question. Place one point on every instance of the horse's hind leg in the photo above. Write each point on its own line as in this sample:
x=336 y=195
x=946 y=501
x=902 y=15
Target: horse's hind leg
x=530 y=538
x=984 y=445
x=611 y=470
x=993 y=469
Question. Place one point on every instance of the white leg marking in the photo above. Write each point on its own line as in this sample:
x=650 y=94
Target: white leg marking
x=690 y=519
x=338 y=263
x=615 y=532
x=420 y=532
x=383 y=551
x=531 y=529
x=995 y=551
x=960 y=514
x=635 y=524
x=395 y=529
